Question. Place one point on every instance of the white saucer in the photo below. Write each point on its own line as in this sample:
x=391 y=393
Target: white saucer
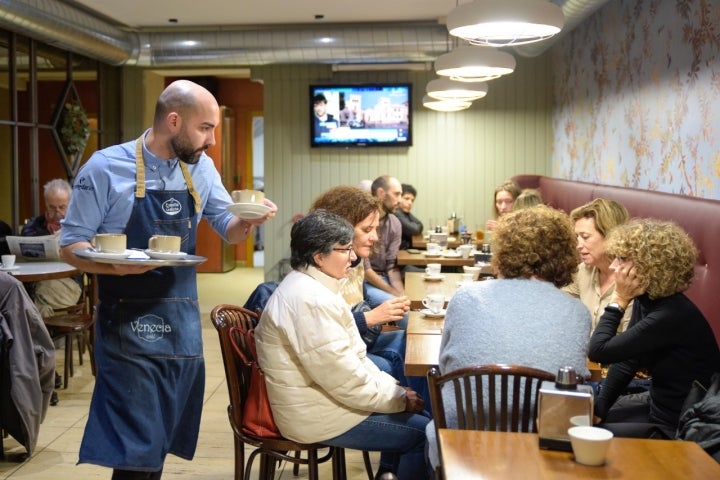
x=165 y=255
x=9 y=269
x=248 y=211
x=451 y=254
x=433 y=278
x=426 y=312
x=428 y=254
x=110 y=256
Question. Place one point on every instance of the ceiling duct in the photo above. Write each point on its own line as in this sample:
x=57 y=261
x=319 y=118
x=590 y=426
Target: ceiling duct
x=575 y=12
x=67 y=27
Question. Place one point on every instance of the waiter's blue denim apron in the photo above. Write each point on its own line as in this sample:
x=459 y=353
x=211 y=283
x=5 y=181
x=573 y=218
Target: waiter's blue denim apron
x=150 y=370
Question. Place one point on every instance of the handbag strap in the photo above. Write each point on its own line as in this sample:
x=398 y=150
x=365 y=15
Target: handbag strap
x=236 y=332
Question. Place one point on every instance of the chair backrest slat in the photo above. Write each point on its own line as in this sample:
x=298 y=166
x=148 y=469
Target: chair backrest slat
x=495 y=397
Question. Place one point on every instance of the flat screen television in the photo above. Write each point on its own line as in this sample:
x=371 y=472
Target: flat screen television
x=372 y=115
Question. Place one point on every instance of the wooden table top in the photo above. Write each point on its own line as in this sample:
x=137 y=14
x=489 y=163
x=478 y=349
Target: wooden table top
x=46 y=270
x=473 y=454
x=406 y=258
x=417 y=287
x=422 y=325
x=422 y=352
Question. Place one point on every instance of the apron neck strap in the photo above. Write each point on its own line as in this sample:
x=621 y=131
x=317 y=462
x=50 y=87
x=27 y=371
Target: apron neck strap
x=140 y=175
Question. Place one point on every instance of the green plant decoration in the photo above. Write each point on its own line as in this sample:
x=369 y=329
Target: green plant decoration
x=74 y=129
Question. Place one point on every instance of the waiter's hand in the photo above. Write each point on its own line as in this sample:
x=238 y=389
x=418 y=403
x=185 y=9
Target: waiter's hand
x=259 y=221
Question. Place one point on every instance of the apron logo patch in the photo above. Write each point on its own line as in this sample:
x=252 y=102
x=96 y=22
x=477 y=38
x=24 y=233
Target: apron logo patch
x=171 y=207
x=151 y=328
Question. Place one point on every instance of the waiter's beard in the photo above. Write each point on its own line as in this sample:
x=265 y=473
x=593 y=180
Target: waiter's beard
x=185 y=151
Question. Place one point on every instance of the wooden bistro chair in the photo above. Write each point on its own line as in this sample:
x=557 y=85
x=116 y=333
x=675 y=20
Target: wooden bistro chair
x=76 y=322
x=495 y=397
x=224 y=317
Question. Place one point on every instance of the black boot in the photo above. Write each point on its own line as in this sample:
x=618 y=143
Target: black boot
x=54 y=400
x=58 y=380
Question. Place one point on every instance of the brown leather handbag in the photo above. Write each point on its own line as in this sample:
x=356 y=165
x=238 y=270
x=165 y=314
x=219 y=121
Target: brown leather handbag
x=257 y=416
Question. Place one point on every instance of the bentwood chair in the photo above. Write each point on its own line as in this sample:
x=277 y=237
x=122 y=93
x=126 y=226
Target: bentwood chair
x=495 y=397
x=76 y=322
x=224 y=317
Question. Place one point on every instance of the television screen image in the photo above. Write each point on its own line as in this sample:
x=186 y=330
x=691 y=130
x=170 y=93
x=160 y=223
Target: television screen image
x=360 y=115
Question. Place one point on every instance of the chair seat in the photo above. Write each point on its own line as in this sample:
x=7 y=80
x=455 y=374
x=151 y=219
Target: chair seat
x=69 y=323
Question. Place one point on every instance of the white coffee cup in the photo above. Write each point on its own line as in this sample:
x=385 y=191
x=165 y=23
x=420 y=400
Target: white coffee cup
x=434 y=302
x=8 y=261
x=590 y=444
x=433 y=248
x=164 y=243
x=248 y=196
x=465 y=250
x=467 y=277
x=474 y=270
x=433 y=269
x=110 y=242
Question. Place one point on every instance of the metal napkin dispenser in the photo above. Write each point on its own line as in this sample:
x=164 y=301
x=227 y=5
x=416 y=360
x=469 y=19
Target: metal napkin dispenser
x=561 y=405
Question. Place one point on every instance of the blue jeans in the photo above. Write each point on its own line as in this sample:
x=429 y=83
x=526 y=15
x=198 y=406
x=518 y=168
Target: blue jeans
x=388 y=353
x=400 y=437
x=374 y=297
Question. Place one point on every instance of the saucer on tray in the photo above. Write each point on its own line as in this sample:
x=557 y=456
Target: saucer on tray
x=426 y=312
x=9 y=269
x=165 y=255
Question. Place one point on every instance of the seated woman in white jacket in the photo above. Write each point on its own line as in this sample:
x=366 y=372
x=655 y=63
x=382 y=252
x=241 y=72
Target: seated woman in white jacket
x=321 y=385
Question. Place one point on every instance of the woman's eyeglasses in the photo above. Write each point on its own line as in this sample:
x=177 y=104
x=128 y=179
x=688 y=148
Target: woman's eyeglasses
x=345 y=250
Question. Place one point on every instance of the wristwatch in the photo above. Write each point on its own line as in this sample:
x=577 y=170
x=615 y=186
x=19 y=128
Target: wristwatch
x=614 y=306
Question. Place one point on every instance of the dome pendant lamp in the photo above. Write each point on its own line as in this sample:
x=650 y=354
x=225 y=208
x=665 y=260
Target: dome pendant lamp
x=474 y=64
x=446 y=89
x=499 y=23
x=445 y=105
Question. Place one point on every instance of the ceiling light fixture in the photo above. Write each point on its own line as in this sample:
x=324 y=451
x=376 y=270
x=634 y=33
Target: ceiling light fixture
x=508 y=22
x=474 y=64
x=445 y=105
x=446 y=89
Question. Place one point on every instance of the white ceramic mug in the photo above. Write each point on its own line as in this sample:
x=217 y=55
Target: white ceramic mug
x=8 y=261
x=433 y=248
x=467 y=277
x=433 y=269
x=434 y=302
x=248 y=196
x=590 y=444
x=110 y=242
x=164 y=243
x=465 y=250
x=474 y=270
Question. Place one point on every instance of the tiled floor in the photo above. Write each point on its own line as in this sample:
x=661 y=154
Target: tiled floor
x=55 y=457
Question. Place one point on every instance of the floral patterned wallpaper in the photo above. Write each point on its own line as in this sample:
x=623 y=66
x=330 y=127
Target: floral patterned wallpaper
x=637 y=92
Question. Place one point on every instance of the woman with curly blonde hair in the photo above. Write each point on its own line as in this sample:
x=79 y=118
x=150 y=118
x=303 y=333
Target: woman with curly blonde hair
x=522 y=318
x=667 y=335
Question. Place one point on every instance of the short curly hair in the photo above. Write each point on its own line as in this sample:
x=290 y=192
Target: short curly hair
x=663 y=254
x=536 y=242
x=351 y=203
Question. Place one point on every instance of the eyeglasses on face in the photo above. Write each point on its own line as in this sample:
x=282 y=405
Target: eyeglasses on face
x=345 y=250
